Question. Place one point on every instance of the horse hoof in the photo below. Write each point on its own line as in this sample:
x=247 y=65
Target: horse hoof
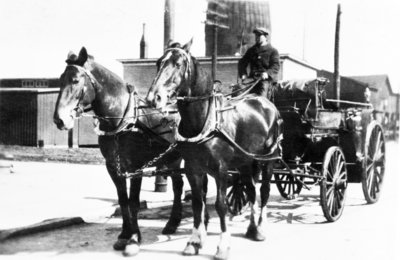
x=169 y=229
x=191 y=248
x=255 y=234
x=222 y=254
x=131 y=249
x=120 y=244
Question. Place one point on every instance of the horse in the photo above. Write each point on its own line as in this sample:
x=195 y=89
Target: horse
x=216 y=134
x=129 y=136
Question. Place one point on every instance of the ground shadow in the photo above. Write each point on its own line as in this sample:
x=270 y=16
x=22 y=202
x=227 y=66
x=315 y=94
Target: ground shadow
x=87 y=237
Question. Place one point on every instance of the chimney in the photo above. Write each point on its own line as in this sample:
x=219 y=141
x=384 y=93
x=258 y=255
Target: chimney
x=143 y=44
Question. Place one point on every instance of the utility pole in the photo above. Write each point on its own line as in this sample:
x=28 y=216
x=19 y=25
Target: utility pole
x=336 y=57
x=161 y=183
x=169 y=22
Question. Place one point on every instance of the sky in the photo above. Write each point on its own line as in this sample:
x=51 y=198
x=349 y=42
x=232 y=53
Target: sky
x=36 y=35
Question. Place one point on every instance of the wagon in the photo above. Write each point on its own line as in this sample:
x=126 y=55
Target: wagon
x=326 y=143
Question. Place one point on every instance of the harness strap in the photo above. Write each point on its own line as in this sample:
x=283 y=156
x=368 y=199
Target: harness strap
x=151 y=133
x=208 y=128
x=212 y=128
x=259 y=157
x=125 y=121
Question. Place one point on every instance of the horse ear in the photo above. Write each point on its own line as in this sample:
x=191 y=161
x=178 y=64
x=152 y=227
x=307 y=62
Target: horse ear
x=83 y=56
x=187 y=46
x=71 y=55
x=170 y=42
x=173 y=44
x=71 y=58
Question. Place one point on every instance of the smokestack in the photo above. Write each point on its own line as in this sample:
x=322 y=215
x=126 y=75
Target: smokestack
x=143 y=44
x=169 y=22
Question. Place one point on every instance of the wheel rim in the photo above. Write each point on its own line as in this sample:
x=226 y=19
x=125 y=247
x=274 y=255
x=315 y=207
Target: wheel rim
x=374 y=164
x=334 y=185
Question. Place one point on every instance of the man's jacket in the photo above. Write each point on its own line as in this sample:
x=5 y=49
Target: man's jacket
x=261 y=59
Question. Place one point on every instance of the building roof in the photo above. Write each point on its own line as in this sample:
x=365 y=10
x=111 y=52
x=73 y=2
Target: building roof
x=297 y=60
x=350 y=79
x=222 y=59
x=376 y=82
x=29 y=90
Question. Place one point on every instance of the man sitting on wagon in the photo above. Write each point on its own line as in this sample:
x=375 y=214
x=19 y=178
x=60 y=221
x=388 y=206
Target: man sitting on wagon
x=264 y=63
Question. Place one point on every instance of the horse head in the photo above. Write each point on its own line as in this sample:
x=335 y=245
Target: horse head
x=174 y=71
x=77 y=90
x=86 y=85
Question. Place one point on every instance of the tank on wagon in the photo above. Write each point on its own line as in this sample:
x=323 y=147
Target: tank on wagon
x=327 y=143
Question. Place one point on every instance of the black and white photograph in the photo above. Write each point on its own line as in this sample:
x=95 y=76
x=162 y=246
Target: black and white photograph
x=199 y=129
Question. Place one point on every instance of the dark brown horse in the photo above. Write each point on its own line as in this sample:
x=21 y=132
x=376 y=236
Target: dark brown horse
x=214 y=136
x=129 y=136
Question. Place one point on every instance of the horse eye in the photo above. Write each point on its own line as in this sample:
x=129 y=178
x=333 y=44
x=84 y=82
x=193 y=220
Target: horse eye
x=178 y=65
x=75 y=81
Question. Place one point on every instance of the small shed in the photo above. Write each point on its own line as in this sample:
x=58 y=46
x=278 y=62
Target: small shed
x=350 y=89
x=383 y=98
x=26 y=118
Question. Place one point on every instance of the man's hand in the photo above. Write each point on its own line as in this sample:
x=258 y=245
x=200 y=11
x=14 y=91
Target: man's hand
x=243 y=78
x=264 y=76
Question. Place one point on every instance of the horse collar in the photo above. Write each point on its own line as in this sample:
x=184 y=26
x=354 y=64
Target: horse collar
x=210 y=127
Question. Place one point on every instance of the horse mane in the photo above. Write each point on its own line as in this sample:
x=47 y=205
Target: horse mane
x=199 y=75
x=105 y=70
x=111 y=79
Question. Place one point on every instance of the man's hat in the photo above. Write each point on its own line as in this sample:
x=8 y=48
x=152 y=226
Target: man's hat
x=261 y=30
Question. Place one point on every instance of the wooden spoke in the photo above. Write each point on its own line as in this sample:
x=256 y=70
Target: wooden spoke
x=288 y=185
x=236 y=198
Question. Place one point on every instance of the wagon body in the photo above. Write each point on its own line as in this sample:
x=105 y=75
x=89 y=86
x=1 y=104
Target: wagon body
x=328 y=143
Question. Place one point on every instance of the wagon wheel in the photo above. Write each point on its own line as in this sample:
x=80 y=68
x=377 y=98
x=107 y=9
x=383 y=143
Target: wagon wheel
x=333 y=183
x=236 y=197
x=374 y=163
x=288 y=185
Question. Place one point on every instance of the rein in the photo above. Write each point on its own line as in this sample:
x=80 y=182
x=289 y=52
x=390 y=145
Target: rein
x=245 y=91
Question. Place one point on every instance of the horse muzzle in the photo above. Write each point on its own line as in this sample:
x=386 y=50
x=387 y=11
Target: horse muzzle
x=60 y=124
x=63 y=122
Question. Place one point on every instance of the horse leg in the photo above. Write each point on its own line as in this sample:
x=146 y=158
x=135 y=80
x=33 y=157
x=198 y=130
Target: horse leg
x=132 y=245
x=205 y=191
x=176 y=212
x=249 y=174
x=199 y=232
x=265 y=189
x=120 y=184
x=221 y=208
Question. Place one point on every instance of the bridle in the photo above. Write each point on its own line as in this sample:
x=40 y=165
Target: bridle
x=81 y=108
x=128 y=121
